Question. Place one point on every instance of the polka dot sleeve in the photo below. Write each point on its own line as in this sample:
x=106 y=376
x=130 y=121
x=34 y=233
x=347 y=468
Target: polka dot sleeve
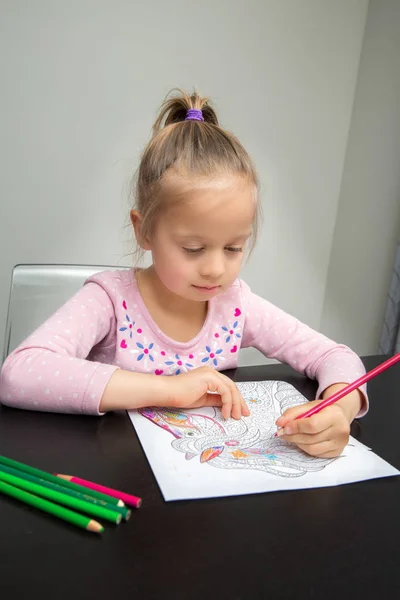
x=279 y=335
x=49 y=371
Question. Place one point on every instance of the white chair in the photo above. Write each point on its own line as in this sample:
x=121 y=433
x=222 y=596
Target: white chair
x=36 y=292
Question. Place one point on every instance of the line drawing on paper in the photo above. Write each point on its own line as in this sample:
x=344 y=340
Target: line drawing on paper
x=244 y=444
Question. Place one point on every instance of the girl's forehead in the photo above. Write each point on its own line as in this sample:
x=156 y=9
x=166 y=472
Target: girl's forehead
x=225 y=198
x=179 y=182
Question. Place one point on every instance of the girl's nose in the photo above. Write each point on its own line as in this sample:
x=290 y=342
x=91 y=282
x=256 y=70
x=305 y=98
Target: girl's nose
x=213 y=266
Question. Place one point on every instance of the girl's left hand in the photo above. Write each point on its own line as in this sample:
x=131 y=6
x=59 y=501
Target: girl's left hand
x=325 y=434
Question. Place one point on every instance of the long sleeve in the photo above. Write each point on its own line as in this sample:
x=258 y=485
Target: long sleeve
x=49 y=371
x=281 y=336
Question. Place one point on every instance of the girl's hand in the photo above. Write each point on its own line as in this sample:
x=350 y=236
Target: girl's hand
x=326 y=433
x=192 y=390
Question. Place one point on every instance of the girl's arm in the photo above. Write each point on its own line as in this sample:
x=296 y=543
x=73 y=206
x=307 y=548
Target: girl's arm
x=279 y=335
x=49 y=370
x=127 y=390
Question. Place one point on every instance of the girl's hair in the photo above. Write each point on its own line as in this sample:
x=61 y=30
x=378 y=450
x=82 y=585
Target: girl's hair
x=199 y=148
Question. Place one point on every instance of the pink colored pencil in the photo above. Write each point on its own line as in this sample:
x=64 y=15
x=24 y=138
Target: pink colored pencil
x=352 y=386
x=127 y=498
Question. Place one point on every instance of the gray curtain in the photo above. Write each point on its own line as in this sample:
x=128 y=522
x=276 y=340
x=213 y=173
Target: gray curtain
x=390 y=339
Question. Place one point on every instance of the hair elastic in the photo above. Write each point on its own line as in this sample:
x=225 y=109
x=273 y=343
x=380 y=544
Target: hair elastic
x=193 y=114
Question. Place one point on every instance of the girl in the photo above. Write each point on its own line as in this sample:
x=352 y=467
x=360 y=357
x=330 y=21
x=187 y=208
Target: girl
x=109 y=347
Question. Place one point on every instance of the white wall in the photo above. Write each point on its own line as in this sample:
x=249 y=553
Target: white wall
x=81 y=82
x=368 y=219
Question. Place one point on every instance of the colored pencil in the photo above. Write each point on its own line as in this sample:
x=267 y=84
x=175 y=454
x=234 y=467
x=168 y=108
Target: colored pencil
x=122 y=510
x=81 y=505
x=44 y=475
x=349 y=388
x=127 y=498
x=51 y=508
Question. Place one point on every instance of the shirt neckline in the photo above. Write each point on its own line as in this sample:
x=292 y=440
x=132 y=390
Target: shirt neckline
x=144 y=311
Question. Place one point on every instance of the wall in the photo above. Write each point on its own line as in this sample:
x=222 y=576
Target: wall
x=81 y=82
x=368 y=218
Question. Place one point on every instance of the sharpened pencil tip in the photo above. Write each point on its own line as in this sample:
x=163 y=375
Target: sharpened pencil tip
x=95 y=527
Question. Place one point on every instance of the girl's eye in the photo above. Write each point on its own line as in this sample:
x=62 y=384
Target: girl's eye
x=234 y=249
x=193 y=250
x=198 y=250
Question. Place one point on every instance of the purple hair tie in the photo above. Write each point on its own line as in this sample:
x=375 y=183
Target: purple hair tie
x=194 y=115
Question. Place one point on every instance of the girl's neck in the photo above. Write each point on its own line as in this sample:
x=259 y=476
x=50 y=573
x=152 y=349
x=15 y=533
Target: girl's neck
x=177 y=317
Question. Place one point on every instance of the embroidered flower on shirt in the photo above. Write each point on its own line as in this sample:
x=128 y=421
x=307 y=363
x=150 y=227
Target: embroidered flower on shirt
x=127 y=325
x=232 y=331
x=212 y=354
x=144 y=352
x=178 y=365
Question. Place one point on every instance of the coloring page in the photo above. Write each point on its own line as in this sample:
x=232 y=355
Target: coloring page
x=197 y=453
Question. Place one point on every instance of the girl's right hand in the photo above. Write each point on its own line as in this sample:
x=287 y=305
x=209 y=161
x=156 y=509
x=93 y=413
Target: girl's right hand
x=205 y=387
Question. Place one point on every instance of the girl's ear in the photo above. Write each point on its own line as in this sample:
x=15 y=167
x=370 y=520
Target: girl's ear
x=137 y=220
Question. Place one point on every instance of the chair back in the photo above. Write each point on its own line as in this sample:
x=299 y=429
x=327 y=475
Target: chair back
x=36 y=292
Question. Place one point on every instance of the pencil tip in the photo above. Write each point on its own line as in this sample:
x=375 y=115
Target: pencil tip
x=95 y=527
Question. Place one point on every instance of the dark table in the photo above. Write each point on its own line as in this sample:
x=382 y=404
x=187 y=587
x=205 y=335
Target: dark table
x=329 y=543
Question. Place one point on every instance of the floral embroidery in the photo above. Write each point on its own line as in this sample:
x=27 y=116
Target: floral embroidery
x=230 y=330
x=144 y=352
x=212 y=355
x=178 y=365
x=127 y=324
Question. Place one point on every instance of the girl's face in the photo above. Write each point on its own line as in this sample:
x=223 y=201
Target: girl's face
x=198 y=243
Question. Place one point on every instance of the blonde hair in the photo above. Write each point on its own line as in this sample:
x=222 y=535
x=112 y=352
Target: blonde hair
x=200 y=148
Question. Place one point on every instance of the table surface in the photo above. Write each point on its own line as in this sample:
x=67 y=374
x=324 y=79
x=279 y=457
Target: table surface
x=339 y=542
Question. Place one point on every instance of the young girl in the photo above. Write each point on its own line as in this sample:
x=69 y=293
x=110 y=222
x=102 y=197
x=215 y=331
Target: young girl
x=111 y=345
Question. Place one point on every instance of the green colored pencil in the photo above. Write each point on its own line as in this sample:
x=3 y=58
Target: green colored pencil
x=56 y=480
x=122 y=510
x=52 y=509
x=81 y=505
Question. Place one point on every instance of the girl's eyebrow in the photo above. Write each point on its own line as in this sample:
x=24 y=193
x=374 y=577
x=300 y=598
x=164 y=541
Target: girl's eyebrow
x=196 y=237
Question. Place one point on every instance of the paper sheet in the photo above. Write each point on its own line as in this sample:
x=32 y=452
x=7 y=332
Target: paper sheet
x=198 y=454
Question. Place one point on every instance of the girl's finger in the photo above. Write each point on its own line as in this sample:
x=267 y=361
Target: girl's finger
x=337 y=451
x=291 y=413
x=308 y=439
x=210 y=400
x=217 y=384
x=238 y=404
x=245 y=408
x=321 y=449
x=311 y=425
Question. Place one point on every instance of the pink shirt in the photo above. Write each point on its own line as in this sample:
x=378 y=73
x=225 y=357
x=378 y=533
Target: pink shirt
x=65 y=365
